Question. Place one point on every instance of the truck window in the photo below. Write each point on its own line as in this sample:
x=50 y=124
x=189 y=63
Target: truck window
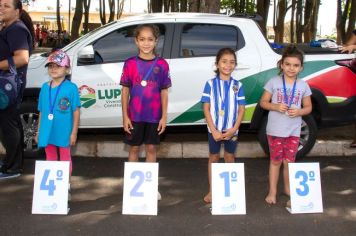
x=120 y=44
x=207 y=39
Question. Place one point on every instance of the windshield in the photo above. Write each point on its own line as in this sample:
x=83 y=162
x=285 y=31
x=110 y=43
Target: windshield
x=75 y=42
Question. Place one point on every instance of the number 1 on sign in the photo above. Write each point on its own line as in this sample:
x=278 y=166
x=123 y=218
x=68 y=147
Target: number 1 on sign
x=226 y=176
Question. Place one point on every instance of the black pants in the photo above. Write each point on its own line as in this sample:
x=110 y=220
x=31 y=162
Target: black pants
x=12 y=139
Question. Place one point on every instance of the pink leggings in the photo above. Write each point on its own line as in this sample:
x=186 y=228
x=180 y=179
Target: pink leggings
x=64 y=153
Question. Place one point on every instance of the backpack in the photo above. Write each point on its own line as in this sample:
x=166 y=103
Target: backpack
x=10 y=85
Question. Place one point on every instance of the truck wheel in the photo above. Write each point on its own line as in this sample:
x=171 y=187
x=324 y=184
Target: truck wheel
x=29 y=120
x=307 y=136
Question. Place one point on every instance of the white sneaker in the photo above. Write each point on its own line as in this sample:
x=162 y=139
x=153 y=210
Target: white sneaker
x=159 y=197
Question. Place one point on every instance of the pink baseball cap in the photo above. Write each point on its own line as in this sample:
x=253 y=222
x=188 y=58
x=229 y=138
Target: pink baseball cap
x=58 y=57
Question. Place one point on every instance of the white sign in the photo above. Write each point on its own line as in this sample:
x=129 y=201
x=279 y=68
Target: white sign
x=228 y=189
x=50 y=189
x=305 y=188
x=140 y=188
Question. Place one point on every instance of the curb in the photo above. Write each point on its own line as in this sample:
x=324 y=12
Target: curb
x=250 y=149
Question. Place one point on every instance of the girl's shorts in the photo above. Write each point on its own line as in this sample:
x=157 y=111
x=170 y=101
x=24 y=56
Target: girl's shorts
x=229 y=145
x=142 y=132
x=283 y=148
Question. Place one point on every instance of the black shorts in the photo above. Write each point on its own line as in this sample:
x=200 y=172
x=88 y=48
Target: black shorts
x=142 y=132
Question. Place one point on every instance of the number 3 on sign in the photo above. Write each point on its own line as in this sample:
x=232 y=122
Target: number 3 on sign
x=140 y=188
x=305 y=188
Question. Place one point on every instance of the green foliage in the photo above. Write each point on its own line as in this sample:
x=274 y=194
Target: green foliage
x=238 y=6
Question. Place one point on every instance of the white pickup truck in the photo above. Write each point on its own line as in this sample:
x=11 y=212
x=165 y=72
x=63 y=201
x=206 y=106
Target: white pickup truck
x=189 y=43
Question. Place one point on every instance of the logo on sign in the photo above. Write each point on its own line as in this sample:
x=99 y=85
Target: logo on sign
x=229 y=209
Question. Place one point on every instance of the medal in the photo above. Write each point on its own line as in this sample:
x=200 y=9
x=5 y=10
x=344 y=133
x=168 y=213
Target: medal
x=221 y=112
x=234 y=138
x=50 y=116
x=51 y=105
x=285 y=97
x=144 y=78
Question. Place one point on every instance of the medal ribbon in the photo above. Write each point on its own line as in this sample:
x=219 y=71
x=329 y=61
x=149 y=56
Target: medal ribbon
x=51 y=105
x=226 y=90
x=285 y=97
x=149 y=71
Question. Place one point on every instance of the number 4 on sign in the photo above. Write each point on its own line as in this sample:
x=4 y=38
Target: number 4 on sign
x=50 y=190
x=305 y=188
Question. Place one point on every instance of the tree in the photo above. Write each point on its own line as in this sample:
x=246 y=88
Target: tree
x=58 y=14
x=311 y=11
x=280 y=11
x=345 y=11
x=102 y=13
x=86 y=15
x=77 y=19
x=240 y=6
x=120 y=8
x=262 y=10
x=207 y=6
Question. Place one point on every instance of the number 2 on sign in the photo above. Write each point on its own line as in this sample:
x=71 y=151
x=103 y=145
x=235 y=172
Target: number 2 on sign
x=141 y=178
x=226 y=176
x=303 y=192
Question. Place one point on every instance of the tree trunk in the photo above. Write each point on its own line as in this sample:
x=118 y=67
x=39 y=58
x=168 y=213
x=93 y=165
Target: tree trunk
x=341 y=18
x=292 y=21
x=86 y=15
x=352 y=19
x=183 y=6
x=193 y=6
x=298 y=22
x=58 y=13
x=77 y=19
x=111 y=10
x=156 y=5
x=120 y=8
x=262 y=10
x=102 y=11
x=279 y=24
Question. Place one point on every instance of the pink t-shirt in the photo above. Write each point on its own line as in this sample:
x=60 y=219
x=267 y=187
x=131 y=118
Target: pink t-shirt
x=145 y=101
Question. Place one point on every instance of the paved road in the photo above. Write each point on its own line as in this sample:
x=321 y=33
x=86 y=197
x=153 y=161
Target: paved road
x=97 y=202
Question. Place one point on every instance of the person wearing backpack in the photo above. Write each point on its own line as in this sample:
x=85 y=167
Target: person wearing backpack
x=16 y=40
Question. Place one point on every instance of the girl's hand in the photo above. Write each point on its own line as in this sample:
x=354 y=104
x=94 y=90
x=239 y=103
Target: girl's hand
x=228 y=134
x=293 y=112
x=217 y=135
x=161 y=126
x=127 y=125
x=73 y=139
x=36 y=137
x=281 y=107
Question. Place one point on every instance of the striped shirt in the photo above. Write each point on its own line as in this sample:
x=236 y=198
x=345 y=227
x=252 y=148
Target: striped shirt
x=223 y=96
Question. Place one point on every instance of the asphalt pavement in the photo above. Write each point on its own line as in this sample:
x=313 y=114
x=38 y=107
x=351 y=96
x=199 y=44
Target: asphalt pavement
x=97 y=190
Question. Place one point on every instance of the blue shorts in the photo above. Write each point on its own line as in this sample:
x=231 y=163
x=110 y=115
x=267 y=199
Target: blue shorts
x=229 y=145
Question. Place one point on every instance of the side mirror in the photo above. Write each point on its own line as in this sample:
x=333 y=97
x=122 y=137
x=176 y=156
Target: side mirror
x=86 y=55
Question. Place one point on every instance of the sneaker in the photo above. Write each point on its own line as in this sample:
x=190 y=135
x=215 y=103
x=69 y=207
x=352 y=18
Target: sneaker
x=9 y=175
x=159 y=197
